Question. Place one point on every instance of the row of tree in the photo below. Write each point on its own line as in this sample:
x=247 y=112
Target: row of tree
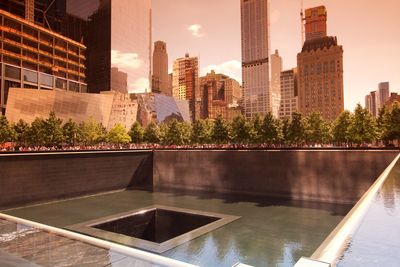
x=350 y=129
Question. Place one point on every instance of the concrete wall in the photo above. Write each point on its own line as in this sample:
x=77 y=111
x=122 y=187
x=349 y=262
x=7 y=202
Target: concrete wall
x=32 y=178
x=331 y=176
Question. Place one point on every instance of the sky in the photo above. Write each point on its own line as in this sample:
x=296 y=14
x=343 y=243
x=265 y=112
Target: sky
x=210 y=29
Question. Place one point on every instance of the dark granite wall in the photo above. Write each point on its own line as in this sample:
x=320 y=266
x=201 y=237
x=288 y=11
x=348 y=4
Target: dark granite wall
x=331 y=176
x=32 y=178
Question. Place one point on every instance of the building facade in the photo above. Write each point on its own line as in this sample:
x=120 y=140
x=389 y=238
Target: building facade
x=383 y=93
x=276 y=69
x=289 y=94
x=160 y=78
x=117 y=34
x=256 y=70
x=34 y=57
x=220 y=95
x=320 y=69
x=185 y=83
x=378 y=99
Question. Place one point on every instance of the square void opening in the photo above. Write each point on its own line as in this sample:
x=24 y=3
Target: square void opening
x=155 y=228
x=156 y=225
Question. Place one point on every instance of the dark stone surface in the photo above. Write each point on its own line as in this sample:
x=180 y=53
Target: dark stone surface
x=33 y=178
x=329 y=176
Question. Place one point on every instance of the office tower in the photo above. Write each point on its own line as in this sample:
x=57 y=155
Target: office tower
x=185 y=83
x=320 y=68
x=289 y=95
x=37 y=58
x=220 y=95
x=117 y=34
x=368 y=103
x=255 y=57
x=160 y=76
x=276 y=69
x=384 y=93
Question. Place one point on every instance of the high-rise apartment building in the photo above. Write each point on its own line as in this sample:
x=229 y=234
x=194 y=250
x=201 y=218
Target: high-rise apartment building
x=255 y=57
x=276 y=69
x=289 y=94
x=117 y=34
x=320 y=68
x=220 y=95
x=34 y=57
x=160 y=76
x=185 y=83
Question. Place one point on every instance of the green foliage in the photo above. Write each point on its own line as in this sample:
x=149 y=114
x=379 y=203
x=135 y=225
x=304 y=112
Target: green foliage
x=178 y=133
x=317 y=130
x=118 y=135
x=271 y=130
x=53 y=133
x=152 y=134
x=241 y=130
x=383 y=124
x=21 y=129
x=92 y=132
x=202 y=132
x=71 y=132
x=393 y=122
x=363 y=128
x=7 y=133
x=341 y=128
x=285 y=125
x=296 y=130
x=221 y=131
x=257 y=133
x=136 y=133
x=37 y=132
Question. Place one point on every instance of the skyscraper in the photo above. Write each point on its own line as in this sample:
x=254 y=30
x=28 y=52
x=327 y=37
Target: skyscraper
x=276 y=69
x=160 y=76
x=289 y=94
x=117 y=34
x=383 y=93
x=255 y=57
x=185 y=83
x=320 y=68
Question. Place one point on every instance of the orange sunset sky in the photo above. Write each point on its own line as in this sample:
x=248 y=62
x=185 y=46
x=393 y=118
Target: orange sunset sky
x=210 y=29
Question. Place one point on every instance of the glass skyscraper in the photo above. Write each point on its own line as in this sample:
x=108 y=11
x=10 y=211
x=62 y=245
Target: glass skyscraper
x=117 y=34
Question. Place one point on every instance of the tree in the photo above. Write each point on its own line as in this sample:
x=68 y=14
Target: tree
x=271 y=130
x=296 y=131
x=363 y=128
x=152 y=134
x=136 y=133
x=21 y=129
x=53 y=133
x=178 y=133
x=394 y=122
x=221 y=132
x=285 y=131
x=7 y=133
x=383 y=124
x=256 y=133
x=37 y=134
x=341 y=128
x=241 y=130
x=71 y=132
x=316 y=129
x=118 y=135
x=201 y=132
x=92 y=132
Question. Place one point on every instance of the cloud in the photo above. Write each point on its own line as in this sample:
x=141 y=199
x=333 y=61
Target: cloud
x=232 y=68
x=125 y=60
x=195 y=30
x=140 y=85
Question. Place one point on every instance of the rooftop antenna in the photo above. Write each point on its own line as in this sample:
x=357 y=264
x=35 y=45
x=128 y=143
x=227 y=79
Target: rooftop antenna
x=301 y=22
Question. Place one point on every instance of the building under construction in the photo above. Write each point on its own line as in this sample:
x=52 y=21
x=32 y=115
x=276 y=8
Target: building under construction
x=34 y=57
